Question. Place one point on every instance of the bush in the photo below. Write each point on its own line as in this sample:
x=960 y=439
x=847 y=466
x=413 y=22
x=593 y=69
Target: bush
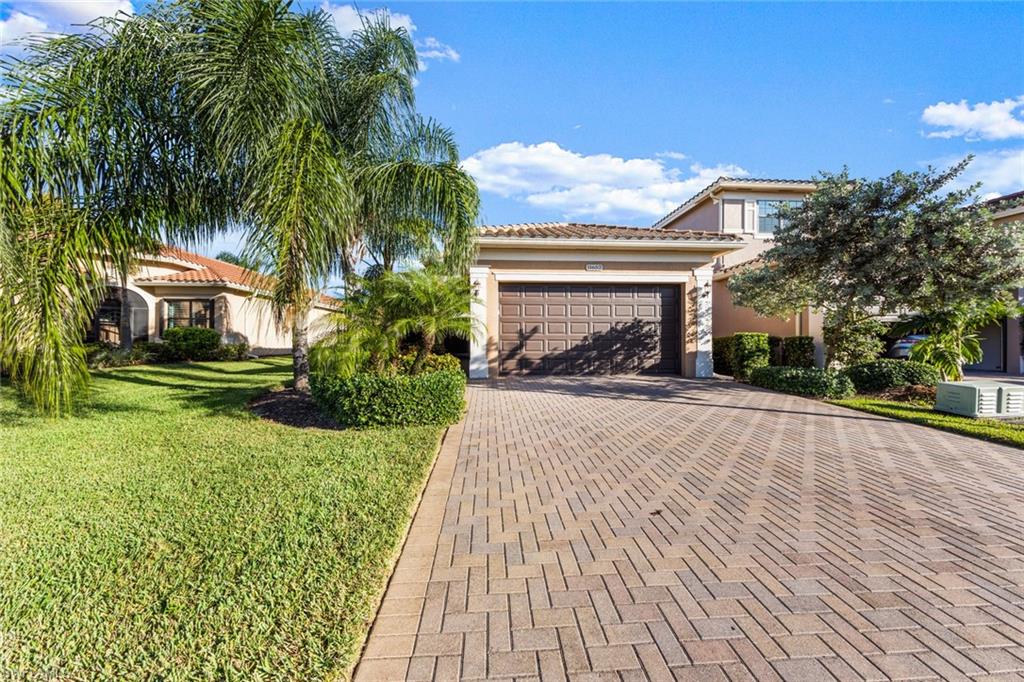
x=721 y=354
x=192 y=343
x=805 y=381
x=798 y=351
x=749 y=351
x=102 y=355
x=434 y=363
x=155 y=352
x=775 y=351
x=881 y=375
x=366 y=399
x=234 y=351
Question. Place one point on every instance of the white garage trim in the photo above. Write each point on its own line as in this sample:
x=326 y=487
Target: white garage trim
x=544 y=276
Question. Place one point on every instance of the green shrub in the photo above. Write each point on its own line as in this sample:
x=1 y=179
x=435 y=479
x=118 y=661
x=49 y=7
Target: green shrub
x=433 y=363
x=805 y=381
x=192 y=343
x=749 y=351
x=102 y=355
x=774 y=351
x=880 y=375
x=798 y=351
x=155 y=351
x=234 y=351
x=721 y=354
x=366 y=399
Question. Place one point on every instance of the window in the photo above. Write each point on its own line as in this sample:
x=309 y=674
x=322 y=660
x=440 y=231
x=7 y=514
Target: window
x=188 y=313
x=768 y=219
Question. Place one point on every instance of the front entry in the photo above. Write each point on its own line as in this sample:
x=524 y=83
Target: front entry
x=589 y=329
x=106 y=322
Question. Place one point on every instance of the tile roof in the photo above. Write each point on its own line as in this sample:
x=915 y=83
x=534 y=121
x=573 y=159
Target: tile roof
x=214 y=272
x=595 y=231
x=681 y=208
x=1006 y=197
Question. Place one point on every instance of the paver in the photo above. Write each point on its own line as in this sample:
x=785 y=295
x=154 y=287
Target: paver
x=659 y=528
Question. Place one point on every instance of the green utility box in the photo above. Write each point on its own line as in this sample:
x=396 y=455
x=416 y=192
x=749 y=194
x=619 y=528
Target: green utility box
x=980 y=399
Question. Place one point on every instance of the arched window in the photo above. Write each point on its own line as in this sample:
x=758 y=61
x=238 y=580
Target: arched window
x=106 y=323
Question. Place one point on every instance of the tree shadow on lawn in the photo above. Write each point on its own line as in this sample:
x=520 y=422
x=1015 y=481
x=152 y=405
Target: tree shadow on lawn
x=192 y=389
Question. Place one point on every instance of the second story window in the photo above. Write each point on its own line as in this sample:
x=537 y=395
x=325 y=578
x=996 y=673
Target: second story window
x=768 y=218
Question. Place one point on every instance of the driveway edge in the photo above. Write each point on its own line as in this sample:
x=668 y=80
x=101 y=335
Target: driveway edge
x=388 y=646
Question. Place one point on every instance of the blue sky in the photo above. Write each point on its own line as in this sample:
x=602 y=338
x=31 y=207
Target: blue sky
x=617 y=112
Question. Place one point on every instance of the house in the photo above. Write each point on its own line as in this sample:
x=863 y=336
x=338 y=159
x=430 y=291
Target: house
x=1001 y=342
x=570 y=298
x=574 y=298
x=748 y=208
x=176 y=288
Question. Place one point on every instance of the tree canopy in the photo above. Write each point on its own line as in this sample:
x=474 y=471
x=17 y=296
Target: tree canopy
x=860 y=248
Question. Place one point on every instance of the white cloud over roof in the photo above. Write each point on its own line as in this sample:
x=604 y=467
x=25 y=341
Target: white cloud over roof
x=594 y=186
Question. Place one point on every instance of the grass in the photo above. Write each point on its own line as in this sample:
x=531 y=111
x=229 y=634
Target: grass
x=992 y=430
x=164 y=532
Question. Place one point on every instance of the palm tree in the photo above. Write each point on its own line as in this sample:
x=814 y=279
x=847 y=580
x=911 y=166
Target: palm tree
x=189 y=117
x=432 y=305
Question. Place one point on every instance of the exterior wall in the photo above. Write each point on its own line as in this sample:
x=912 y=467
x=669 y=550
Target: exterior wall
x=504 y=264
x=727 y=318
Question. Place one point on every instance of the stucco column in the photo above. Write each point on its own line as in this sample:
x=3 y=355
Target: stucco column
x=478 y=275
x=704 y=367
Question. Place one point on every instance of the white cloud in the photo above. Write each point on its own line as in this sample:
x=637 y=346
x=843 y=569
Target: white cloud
x=596 y=186
x=888 y=100
x=17 y=25
x=54 y=16
x=981 y=121
x=349 y=19
x=675 y=156
x=999 y=171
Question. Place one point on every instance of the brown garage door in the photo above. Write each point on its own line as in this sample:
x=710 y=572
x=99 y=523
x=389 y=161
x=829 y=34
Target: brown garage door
x=589 y=329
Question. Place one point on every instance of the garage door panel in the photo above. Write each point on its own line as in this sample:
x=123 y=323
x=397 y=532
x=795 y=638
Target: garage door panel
x=589 y=329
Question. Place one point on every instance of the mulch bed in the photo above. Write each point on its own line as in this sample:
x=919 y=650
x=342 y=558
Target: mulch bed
x=286 y=406
x=909 y=394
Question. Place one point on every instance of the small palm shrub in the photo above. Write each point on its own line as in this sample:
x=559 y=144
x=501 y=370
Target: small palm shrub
x=806 y=381
x=749 y=351
x=103 y=355
x=886 y=373
x=433 y=363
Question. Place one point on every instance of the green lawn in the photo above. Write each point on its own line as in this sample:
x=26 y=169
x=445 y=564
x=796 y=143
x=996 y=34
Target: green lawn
x=166 y=533
x=986 y=429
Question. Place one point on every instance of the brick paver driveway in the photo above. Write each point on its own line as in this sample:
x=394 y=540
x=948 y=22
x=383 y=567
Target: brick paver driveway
x=661 y=528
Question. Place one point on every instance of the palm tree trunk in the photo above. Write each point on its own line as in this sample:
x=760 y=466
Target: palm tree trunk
x=125 y=326
x=421 y=354
x=300 y=351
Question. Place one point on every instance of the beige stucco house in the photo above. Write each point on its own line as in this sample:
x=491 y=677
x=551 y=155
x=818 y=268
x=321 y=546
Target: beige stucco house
x=176 y=288
x=571 y=298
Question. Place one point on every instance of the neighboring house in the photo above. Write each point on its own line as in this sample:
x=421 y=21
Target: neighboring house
x=176 y=288
x=1001 y=343
x=748 y=209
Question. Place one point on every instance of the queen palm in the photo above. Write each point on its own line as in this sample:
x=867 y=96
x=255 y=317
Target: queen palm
x=191 y=117
x=432 y=305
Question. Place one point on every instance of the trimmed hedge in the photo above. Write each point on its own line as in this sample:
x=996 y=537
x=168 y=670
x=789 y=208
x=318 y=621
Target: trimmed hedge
x=366 y=399
x=192 y=343
x=749 y=351
x=775 y=351
x=886 y=373
x=798 y=351
x=721 y=354
x=805 y=381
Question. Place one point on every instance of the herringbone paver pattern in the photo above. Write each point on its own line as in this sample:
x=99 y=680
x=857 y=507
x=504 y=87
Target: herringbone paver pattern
x=658 y=528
